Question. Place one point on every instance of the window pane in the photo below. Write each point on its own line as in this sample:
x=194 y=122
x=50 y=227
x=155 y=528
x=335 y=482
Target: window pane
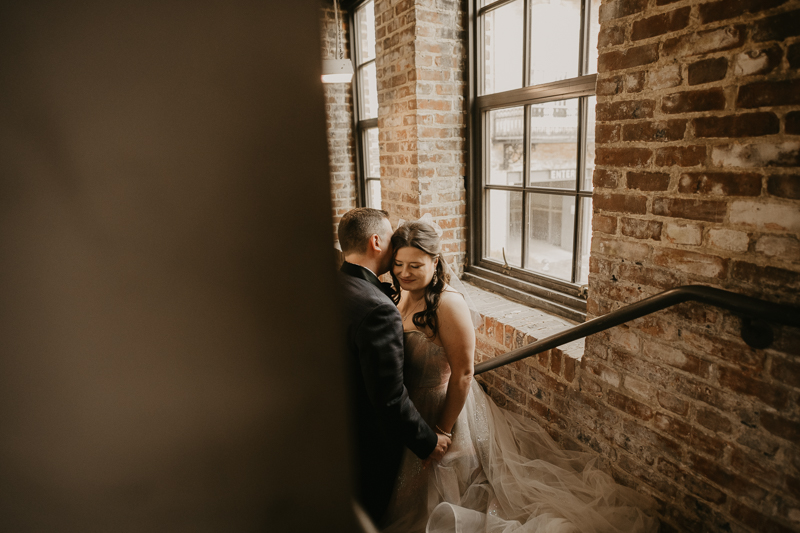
x=368 y=85
x=374 y=194
x=555 y=40
x=502 y=51
x=585 y=240
x=373 y=166
x=594 y=30
x=551 y=221
x=365 y=26
x=591 y=102
x=504 y=210
x=554 y=144
x=505 y=151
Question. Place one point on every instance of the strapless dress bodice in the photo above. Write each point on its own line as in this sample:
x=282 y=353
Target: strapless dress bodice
x=425 y=364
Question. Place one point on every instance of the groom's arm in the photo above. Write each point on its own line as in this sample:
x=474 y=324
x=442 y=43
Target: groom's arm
x=380 y=347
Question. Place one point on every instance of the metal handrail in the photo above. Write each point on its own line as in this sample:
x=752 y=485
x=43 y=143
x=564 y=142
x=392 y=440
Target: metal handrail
x=755 y=315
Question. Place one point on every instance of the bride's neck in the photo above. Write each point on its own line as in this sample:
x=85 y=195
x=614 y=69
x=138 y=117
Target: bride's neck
x=415 y=296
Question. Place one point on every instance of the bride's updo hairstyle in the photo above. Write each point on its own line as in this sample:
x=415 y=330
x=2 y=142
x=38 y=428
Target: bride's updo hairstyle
x=424 y=237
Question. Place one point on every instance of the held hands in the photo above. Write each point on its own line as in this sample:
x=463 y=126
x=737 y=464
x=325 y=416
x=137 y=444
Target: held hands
x=442 y=444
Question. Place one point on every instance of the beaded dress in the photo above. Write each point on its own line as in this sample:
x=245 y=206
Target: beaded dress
x=502 y=472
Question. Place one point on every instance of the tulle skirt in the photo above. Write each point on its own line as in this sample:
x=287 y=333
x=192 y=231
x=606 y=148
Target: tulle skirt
x=504 y=473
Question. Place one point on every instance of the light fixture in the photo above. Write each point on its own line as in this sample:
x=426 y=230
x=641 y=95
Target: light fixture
x=338 y=70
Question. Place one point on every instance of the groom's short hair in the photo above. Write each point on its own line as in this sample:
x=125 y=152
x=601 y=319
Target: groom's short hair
x=357 y=226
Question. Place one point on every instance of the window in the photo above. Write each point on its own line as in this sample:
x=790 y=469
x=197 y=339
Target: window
x=534 y=73
x=366 y=105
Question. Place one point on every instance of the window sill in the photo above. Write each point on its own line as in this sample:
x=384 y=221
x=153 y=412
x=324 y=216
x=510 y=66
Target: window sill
x=508 y=325
x=545 y=298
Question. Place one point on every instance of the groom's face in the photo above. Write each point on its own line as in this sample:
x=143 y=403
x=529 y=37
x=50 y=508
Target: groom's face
x=386 y=246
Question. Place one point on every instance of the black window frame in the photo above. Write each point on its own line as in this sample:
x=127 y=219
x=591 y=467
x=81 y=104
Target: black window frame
x=552 y=294
x=360 y=125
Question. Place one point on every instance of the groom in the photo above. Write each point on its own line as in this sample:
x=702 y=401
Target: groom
x=385 y=418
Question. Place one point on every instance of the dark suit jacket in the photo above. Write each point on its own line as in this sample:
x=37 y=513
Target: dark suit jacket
x=385 y=418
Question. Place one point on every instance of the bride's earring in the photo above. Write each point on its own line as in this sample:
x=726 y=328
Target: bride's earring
x=433 y=281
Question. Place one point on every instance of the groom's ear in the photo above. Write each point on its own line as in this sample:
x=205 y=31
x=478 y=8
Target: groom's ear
x=374 y=243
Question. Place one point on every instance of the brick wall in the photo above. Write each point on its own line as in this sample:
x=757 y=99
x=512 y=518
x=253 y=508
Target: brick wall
x=339 y=114
x=421 y=114
x=696 y=182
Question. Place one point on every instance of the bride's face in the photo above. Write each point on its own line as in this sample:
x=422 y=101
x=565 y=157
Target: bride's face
x=413 y=268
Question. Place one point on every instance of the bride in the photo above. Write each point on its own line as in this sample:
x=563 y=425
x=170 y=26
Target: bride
x=502 y=472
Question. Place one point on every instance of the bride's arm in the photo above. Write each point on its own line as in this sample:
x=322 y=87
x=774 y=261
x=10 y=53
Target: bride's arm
x=457 y=336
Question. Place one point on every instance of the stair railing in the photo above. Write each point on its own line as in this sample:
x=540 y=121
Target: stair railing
x=756 y=316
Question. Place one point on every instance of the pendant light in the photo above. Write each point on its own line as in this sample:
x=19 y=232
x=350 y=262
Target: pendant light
x=338 y=70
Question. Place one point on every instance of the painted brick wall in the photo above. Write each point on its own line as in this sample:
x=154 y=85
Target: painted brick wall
x=421 y=47
x=698 y=147
x=339 y=114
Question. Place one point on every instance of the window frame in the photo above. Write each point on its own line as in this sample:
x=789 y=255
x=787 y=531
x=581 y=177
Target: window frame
x=360 y=125
x=553 y=294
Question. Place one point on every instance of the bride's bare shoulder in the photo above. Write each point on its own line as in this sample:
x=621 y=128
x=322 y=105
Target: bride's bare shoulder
x=452 y=302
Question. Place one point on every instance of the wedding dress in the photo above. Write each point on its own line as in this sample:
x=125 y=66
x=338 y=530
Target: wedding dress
x=502 y=472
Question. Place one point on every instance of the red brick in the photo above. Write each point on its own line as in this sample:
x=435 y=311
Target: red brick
x=629 y=58
x=728 y=9
x=755 y=62
x=769 y=93
x=744 y=125
x=793 y=55
x=708 y=70
x=649 y=277
x=672 y=403
x=609 y=86
x=601 y=371
x=765 y=275
x=641 y=229
x=661 y=24
x=737 y=381
x=786 y=371
x=733 y=351
x=625 y=110
x=607 y=133
x=713 y=421
x=648 y=181
x=703 y=392
x=793 y=486
x=604 y=224
x=605 y=178
x=694 y=101
x=629 y=405
x=690 y=435
x=610 y=35
x=754 y=468
x=704 y=42
x=707 y=210
x=674 y=357
x=777 y=27
x=634 y=81
x=689 y=482
x=621 y=203
x=720 y=183
x=757 y=521
x=682 y=156
x=569 y=369
x=784 y=185
x=621 y=8
x=733 y=482
x=792 y=123
x=670 y=130
x=636 y=435
x=781 y=427
x=622 y=157
x=555 y=361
